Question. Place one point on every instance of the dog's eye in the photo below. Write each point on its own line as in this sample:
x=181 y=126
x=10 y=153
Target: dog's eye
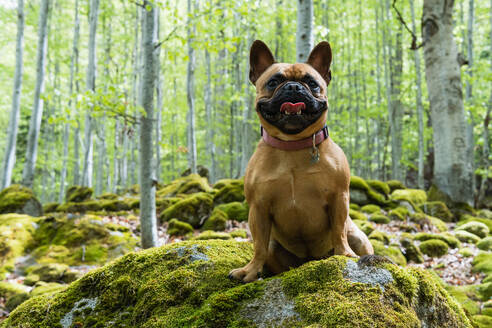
x=313 y=85
x=272 y=84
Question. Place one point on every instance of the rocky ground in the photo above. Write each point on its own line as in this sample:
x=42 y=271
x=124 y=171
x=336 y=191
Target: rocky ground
x=42 y=253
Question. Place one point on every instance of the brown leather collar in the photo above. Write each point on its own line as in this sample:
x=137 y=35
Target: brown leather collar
x=319 y=137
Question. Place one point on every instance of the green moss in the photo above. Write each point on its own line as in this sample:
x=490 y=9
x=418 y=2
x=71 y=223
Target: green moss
x=466 y=237
x=235 y=211
x=163 y=203
x=210 y=234
x=80 y=207
x=392 y=252
x=365 y=226
x=354 y=206
x=477 y=228
x=114 y=205
x=229 y=190
x=449 y=239
x=395 y=185
x=178 y=228
x=483 y=263
x=434 y=248
x=379 y=218
x=485 y=244
x=464 y=219
x=466 y=252
x=108 y=196
x=371 y=196
x=485 y=213
x=240 y=233
x=371 y=208
x=437 y=209
x=189 y=184
x=9 y=289
x=411 y=252
x=19 y=199
x=186 y=285
x=412 y=197
x=356 y=215
x=381 y=236
x=466 y=296
x=426 y=220
x=434 y=194
x=190 y=209
x=216 y=222
x=50 y=207
x=78 y=194
x=399 y=213
x=482 y=321
x=379 y=186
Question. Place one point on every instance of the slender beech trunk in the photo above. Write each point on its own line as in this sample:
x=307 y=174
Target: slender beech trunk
x=91 y=86
x=420 y=109
x=278 y=31
x=452 y=168
x=147 y=177
x=9 y=160
x=387 y=64
x=159 y=95
x=190 y=88
x=468 y=94
x=304 y=34
x=377 y=121
x=37 y=111
x=208 y=115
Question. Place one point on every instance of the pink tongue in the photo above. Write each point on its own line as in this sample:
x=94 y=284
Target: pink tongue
x=292 y=108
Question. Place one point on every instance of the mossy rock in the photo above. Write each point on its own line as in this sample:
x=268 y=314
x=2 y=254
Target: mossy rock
x=356 y=215
x=21 y=200
x=434 y=248
x=13 y=294
x=466 y=252
x=485 y=244
x=108 y=196
x=466 y=237
x=86 y=240
x=50 y=272
x=216 y=222
x=210 y=234
x=381 y=236
x=411 y=252
x=434 y=194
x=371 y=208
x=437 y=209
x=398 y=214
x=200 y=169
x=186 y=285
x=483 y=263
x=395 y=185
x=467 y=296
x=362 y=194
x=240 y=233
x=482 y=321
x=449 y=239
x=194 y=209
x=477 y=228
x=235 y=211
x=114 y=205
x=189 y=184
x=392 y=252
x=379 y=186
x=78 y=194
x=16 y=235
x=485 y=213
x=80 y=207
x=379 y=218
x=229 y=190
x=164 y=203
x=50 y=207
x=464 y=219
x=354 y=206
x=178 y=228
x=415 y=197
x=427 y=220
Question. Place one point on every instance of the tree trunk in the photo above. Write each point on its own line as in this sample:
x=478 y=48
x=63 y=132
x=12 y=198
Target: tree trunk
x=420 y=110
x=159 y=95
x=37 y=111
x=304 y=34
x=91 y=86
x=147 y=178
x=452 y=169
x=190 y=89
x=468 y=97
x=208 y=112
x=9 y=160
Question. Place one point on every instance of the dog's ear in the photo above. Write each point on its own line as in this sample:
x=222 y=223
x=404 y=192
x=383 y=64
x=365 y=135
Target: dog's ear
x=260 y=58
x=320 y=60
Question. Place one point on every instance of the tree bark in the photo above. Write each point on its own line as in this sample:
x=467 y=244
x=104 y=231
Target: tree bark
x=190 y=88
x=452 y=170
x=9 y=160
x=159 y=95
x=37 y=111
x=147 y=177
x=420 y=110
x=208 y=112
x=304 y=35
x=91 y=86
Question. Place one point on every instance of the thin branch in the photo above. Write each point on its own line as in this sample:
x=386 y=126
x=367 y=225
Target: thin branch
x=402 y=21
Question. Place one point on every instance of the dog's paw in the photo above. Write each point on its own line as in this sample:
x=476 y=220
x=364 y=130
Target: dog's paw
x=244 y=275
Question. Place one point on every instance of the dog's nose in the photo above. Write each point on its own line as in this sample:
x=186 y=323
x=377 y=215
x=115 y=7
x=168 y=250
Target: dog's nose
x=292 y=86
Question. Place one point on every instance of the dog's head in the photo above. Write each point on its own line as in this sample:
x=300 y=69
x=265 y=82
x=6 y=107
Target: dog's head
x=291 y=98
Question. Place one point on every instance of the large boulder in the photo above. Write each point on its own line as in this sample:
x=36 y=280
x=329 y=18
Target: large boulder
x=19 y=199
x=185 y=285
x=362 y=194
x=194 y=209
x=78 y=194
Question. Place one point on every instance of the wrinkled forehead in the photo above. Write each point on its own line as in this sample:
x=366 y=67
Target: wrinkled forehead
x=294 y=72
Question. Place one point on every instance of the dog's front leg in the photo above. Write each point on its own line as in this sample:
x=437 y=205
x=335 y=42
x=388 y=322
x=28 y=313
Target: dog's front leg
x=339 y=232
x=260 y=226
